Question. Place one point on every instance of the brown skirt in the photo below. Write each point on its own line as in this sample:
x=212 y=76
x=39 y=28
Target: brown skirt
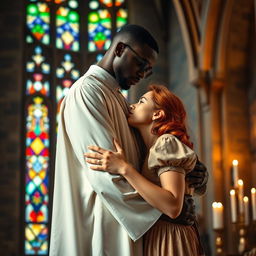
x=169 y=239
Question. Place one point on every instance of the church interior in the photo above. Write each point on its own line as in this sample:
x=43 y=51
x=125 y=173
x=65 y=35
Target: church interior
x=207 y=57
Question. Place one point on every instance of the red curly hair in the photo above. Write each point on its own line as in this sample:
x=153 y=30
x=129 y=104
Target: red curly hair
x=174 y=118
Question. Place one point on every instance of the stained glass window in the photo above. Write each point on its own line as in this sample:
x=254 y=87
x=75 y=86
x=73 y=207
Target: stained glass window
x=37 y=165
x=67 y=27
x=66 y=73
x=39 y=70
x=57 y=1
x=38 y=22
x=121 y=18
x=109 y=3
x=62 y=39
x=101 y=24
x=99 y=28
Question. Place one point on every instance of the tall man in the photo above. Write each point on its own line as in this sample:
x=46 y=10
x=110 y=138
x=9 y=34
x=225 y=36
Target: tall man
x=98 y=214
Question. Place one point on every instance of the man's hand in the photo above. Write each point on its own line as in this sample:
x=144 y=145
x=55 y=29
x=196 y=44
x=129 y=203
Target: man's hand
x=198 y=177
x=187 y=215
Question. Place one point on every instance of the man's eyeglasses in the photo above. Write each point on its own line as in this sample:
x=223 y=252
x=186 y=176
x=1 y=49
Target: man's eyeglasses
x=144 y=64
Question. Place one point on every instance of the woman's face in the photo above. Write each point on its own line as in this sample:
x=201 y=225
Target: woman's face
x=141 y=113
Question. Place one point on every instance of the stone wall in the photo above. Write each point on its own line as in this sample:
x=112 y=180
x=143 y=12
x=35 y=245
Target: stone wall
x=236 y=125
x=252 y=103
x=178 y=76
x=11 y=27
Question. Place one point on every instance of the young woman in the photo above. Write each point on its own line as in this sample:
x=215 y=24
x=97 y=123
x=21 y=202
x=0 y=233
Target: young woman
x=160 y=118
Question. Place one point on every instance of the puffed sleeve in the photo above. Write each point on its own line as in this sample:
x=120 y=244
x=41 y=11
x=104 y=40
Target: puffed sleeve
x=170 y=154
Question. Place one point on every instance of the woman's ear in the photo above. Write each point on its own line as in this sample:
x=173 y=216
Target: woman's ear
x=158 y=114
x=119 y=49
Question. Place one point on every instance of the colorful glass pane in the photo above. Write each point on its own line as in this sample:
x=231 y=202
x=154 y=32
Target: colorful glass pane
x=56 y=1
x=38 y=21
x=109 y=3
x=36 y=239
x=29 y=39
x=67 y=23
x=66 y=75
x=40 y=70
x=36 y=188
x=73 y=4
x=119 y=2
x=93 y=5
x=121 y=18
x=99 y=57
x=99 y=28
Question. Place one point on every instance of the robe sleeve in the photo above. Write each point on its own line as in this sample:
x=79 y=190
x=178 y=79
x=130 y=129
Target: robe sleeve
x=86 y=121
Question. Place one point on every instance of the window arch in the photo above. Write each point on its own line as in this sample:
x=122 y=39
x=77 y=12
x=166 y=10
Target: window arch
x=62 y=39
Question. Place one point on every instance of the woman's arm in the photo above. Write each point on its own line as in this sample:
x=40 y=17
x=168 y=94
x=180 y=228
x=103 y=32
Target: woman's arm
x=168 y=198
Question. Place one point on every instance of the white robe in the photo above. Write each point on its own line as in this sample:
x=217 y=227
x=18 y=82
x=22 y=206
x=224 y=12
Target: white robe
x=95 y=213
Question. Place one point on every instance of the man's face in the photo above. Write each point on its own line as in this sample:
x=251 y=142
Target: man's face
x=134 y=64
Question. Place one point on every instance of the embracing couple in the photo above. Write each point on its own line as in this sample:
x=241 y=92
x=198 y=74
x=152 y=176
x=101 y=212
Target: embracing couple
x=124 y=175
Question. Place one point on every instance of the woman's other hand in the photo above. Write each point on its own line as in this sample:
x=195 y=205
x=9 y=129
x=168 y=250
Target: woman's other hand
x=105 y=160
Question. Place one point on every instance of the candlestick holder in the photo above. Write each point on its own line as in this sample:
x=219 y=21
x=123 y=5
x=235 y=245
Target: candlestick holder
x=242 y=235
x=219 y=242
x=242 y=241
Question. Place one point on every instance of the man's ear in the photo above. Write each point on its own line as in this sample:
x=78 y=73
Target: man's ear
x=119 y=49
x=158 y=114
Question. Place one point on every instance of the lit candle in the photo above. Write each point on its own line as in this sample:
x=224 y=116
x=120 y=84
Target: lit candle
x=235 y=172
x=246 y=210
x=240 y=195
x=233 y=205
x=217 y=215
x=253 y=199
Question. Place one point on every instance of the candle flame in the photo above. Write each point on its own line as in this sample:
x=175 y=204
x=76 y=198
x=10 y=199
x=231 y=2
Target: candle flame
x=217 y=205
x=235 y=162
x=220 y=205
x=253 y=190
x=232 y=192
x=240 y=182
x=214 y=204
x=246 y=199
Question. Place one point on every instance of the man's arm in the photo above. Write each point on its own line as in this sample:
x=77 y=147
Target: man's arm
x=198 y=178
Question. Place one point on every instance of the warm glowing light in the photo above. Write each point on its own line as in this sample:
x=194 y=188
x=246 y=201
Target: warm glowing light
x=232 y=192
x=217 y=215
x=217 y=205
x=235 y=162
x=214 y=205
x=246 y=199
x=253 y=200
x=240 y=182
